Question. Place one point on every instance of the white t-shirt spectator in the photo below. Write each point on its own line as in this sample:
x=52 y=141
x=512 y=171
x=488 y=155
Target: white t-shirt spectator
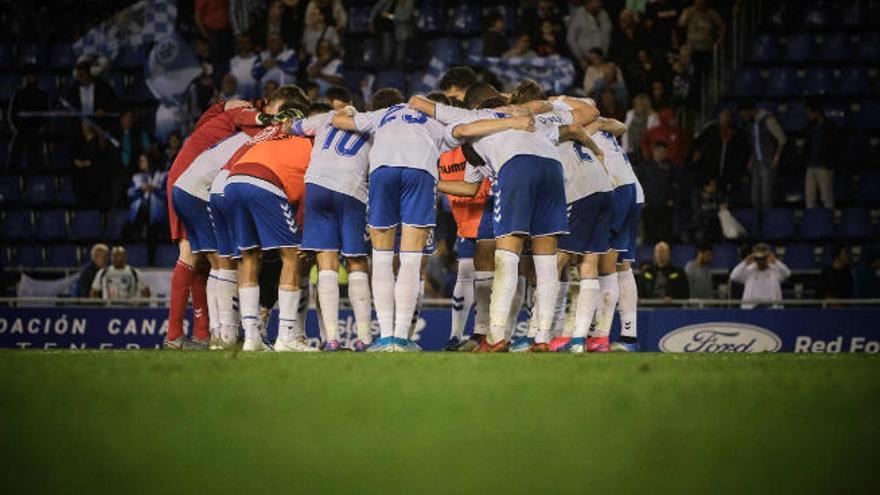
x=118 y=283
x=241 y=68
x=586 y=31
x=333 y=68
x=764 y=285
x=311 y=37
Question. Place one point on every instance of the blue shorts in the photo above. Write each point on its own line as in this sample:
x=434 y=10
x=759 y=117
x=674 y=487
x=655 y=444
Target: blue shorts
x=262 y=217
x=531 y=198
x=336 y=222
x=430 y=244
x=193 y=213
x=486 y=229
x=588 y=221
x=465 y=247
x=401 y=195
x=221 y=221
x=624 y=221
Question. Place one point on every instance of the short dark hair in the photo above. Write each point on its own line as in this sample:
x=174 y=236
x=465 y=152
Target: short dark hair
x=461 y=76
x=319 y=108
x=437 y=96
x=338 y=93
x=293 y=97
x=494 y=102
x=309 y=85
x=478 y=93
x=527 y=90
x=386 y=97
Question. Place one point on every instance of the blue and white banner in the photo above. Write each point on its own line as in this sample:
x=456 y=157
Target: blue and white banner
x=666 y=330
x=170 y=69
x=143 y=22
x=555 y=74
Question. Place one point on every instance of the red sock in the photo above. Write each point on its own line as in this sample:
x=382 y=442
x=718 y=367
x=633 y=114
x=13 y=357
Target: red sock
x=181 y=281
x=200 y=304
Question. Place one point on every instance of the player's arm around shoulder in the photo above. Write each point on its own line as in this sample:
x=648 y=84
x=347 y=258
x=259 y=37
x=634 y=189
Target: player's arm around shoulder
x=480 y=128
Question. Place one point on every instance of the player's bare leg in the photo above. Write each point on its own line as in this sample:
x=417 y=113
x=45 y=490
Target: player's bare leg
x=360 y=299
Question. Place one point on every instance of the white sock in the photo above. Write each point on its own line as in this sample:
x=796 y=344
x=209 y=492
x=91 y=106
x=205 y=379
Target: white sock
x=482 y=297
x=383 y=291
x=213 y=308
x=406 y=292
x=546 y=287
x=609 y=292
x=250 y=311
x=288 y=309
x=503 y=288
x=414 y=321
x=587 y=300
x=516 y=306
x=227 y=304
x=462 y=296
x=559 y=309
x=359 y=297
x=328 y=295
x=627 y=303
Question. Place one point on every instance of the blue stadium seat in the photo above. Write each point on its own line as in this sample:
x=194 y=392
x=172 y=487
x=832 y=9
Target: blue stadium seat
x=65 y=195
x=869 y=47
x=137 y=255
x=32 y=53
x=852 y=81
x=10 y=189
x=682 y=253
x=59 y=155
x=63 y=255
x=359 y=19
x=644 y=254
x=416 y=84
x=116 y=220
x=794 y=117
x=446 y=49
x=85 y=225
x=855 y=223
x=133 y=57
x=466 y=19
x=61 y=56
x=817 y=223
x=868 y=117
x=838 y=113
x=48 y=84
x=8 y=83
x=432 y=19
x=765 y=48
x=51 y=225
x=6 y=59
x=4 y=256
x=27 y=255
x=748 y=217
x=17 y=225
x=836 y=47
x=781 y=81
x=818 y=81
x=166 y=255
x=851 y=15
x=869 y=187
x=799 y=48
x=746 y=82
x=391 y=78
x=800 y=257
x=474 y=47
x=778 y=224
x=39 y=189
x=724 y=256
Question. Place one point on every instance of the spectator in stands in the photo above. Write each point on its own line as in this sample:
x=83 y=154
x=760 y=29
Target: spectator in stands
x=866 y=276
x=699 y=275
x=609 y=106
x=661 y=18
x=276 y=63
x=99 y=256
x=172 y=147
x=705 y=205
x=521 y=49
x=660 y=98
x=820 y=146
x=659 y=180
x=642 y=71
x=270 y=86
x=762 y=274
x=589 y=27
x=550 y=40
x=766 y=140
x=89 y=95
x=532 y=16
x=393 y=21
x=26 y=148
x=312 y=90
x=148 y=204
x=495 y=37
x=316 y=31
x=119 y=281
x=705 y=30
x=836 y=281
x=628 y=39
x=638 y=120
x=333 y=13
x=244 y=15
x=90 y=155
x=326 y=70
x=669 y=133
x=611 y=79
x=683 y=79
x=287 y=18
x=592 y=65
x=662 y=280
x=241 y=65
x=201 y=90
x=721 y=151
x=212 y=22
x=637 y=7
x=132 y=140
x=228 y=89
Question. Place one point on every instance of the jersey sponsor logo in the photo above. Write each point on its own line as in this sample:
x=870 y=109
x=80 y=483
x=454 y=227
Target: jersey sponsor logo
x=451 y=168
x=720 y=337
x=269 y=132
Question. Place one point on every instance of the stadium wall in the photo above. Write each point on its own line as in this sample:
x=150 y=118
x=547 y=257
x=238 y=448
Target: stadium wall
x=665 y=330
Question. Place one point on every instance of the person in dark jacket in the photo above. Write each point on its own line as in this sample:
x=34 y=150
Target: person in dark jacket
x=836 y=281
x=821 y=135
x=89 y=95
x=658 y=178
x=495 y=38
x=661 y=280
x=26 y=149
x=721 y=150
x=100 y=256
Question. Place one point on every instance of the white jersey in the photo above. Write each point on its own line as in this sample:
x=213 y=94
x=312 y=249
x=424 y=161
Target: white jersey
x=498 y=148
x=405 y=137
x=340 y=159
x=584 y=174
x=616 y=161
x=197 y=179
x=117 y=283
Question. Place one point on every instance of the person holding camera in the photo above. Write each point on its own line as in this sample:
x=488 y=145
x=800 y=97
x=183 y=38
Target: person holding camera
x=762 y=274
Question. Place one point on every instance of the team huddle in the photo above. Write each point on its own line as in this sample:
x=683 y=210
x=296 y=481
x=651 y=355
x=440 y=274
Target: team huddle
x=538 y=188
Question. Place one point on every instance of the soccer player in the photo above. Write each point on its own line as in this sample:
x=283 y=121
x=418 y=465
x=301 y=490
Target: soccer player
x=336 y=213
x=530 y=203
x=403 y=176
x=455 y=83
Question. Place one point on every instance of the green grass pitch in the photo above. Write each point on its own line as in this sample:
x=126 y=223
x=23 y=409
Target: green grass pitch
x=177 y=422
